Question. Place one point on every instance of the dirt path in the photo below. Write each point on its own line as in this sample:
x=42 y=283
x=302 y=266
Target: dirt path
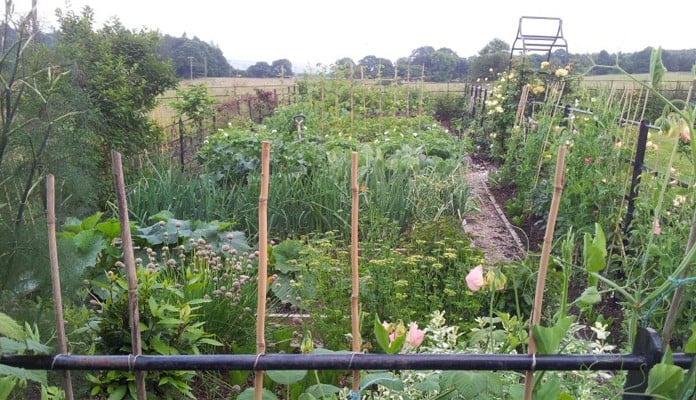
x=488 y=227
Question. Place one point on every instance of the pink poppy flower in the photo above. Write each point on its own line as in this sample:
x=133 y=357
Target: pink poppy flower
x=474 y=279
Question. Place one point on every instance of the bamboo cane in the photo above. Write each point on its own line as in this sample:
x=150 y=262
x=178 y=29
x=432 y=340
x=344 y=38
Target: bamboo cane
x=645 y=105
x=394 y=83
x=355 y=317
x=129 y=261
x=263 y=266
x=521 y=105
x=55 y=279
x=420 y=95
x=544 y=265
x=408 y=90
x=690 y=92
x=337 y=108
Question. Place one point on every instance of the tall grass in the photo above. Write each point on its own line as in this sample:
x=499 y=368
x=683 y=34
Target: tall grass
x=162 y=186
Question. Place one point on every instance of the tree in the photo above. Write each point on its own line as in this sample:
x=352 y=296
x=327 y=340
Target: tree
x=39 y=132
x=443 y=65
x=491 y=60
x=282 y=67
x=259 y=70
x=422 y=57
x=375 y=67
x=495 y=46
x=121 y=74
x=603 y=58
x=462 y=69
x=195 y=103
x=344 y=67
x=193 y=57
x=405 y=69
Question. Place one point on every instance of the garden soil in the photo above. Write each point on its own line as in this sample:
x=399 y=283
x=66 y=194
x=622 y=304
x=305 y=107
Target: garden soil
x=487 y=225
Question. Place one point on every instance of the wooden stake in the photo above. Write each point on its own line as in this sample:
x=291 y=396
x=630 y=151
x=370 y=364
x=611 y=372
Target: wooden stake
x=544 y=264
x=131 y=275
x=263 y=265
x=55 y=279
x=355 y=295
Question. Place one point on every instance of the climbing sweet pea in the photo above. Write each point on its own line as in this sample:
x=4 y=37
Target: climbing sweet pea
x=415 y=336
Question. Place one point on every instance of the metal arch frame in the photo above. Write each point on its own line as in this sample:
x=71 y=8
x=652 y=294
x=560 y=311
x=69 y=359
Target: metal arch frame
x=545 y=43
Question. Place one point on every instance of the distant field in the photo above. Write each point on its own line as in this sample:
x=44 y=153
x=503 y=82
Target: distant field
x=670 y=80
x=221 y=89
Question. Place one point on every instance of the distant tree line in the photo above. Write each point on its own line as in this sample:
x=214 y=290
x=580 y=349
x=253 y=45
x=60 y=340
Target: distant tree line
x=639 y=62
x=194 y=58
x=444 y=65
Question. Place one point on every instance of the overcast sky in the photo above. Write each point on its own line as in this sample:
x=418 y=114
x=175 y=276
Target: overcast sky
x=322 y=31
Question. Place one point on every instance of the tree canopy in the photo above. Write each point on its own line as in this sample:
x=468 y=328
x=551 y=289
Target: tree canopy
x=120 y=72
x=194 y=57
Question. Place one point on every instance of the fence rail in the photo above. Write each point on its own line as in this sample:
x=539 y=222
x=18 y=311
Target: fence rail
x=348 y=361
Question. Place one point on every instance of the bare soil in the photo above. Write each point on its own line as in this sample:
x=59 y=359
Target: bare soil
x=488 y=226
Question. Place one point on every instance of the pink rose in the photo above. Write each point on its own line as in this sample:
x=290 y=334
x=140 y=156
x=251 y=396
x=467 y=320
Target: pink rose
x=415 y=336
x=474 y=279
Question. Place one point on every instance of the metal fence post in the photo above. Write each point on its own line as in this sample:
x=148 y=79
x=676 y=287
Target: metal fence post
x=566 y=114
x=649 y=345
x=483 y=106
x=637 y=171
x=182 y=144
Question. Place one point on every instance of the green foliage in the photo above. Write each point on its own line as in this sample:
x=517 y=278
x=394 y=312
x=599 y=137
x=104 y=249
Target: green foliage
x=195 y=103
x=423 y=272
x=121 y=75
x=194 y=57
x=665 y=378
x=444 y=339
x=657 y=68
x=171 y=322
x=15 y=339
x=308 y=197
x=249 y=395
x=690 y=346
x=491 y=60
x=382 y=337
x=448 y=109
x=549 y=338
x=232 y=154
x=594 y=252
